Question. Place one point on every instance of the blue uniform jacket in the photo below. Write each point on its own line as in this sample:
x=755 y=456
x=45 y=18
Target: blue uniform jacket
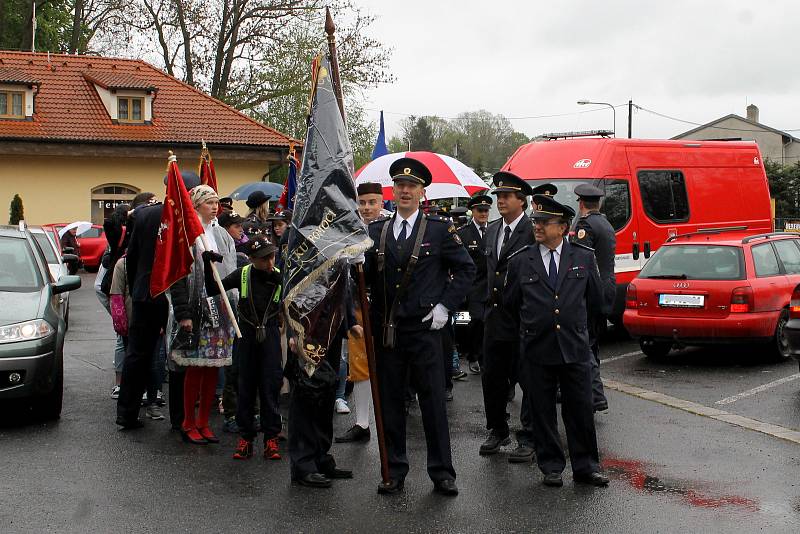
x=553 y=321
x=441 y=254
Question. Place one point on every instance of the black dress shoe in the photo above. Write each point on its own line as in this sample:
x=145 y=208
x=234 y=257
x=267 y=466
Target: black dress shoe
x=521 y=455
x=395 y=485
x=446 y=487
x=314 y=480
x=338 y=473
x=593 y=479
x=601 y=406
x=553 y=480
x=356 y=433
x=493 y=444
x=129 y=424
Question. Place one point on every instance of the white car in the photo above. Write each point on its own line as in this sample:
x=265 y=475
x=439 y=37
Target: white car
x=56 y=262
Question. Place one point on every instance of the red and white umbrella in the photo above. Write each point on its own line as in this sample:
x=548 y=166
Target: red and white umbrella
x=451 y=178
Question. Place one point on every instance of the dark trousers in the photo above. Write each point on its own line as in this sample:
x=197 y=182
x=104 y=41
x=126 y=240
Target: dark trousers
x=475 y=340
x=498 y=373
x=418 y=356
x=175 y=397
x=260 y=376
x=231 y=388
x=147 y=321
x=447 y=354
x=311 y=424
x=575 y=380
x=597 y=326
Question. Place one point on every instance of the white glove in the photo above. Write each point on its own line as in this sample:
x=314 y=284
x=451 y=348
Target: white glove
x=439 y=315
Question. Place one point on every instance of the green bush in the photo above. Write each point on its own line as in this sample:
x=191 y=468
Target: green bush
x=16 y=213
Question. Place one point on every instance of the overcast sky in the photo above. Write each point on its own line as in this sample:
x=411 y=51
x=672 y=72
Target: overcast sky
x=694 y=60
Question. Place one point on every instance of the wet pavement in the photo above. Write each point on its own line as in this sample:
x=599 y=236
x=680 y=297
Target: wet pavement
x=671 y=471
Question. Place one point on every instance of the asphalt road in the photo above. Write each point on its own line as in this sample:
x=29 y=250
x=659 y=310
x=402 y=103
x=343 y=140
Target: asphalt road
x=679 y=461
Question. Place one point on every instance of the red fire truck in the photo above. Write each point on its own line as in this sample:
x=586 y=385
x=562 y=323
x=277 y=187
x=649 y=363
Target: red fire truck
x=654 y=189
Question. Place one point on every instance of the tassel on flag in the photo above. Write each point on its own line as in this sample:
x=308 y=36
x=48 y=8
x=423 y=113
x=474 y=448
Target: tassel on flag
x=179 y=229
x=208 y=175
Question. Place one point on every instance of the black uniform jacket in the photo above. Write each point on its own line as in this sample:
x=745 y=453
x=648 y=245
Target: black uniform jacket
x=441 y=253
x=553 y=322
x=593 y=230
x=500 y=324
x=476 y=247
x=142 y=251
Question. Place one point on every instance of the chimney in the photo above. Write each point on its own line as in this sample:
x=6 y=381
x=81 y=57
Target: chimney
x=752 y=113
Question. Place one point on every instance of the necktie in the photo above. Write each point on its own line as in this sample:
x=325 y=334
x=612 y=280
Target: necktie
x=506 y=235
x=483 y=231
x=401 y=239
x=552 y=270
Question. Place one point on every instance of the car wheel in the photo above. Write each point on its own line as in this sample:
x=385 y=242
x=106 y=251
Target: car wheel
x=49 y=406
x=781 y=352
x=655 y=350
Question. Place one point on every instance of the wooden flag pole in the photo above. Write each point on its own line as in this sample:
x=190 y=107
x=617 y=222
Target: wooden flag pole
x=330 y=28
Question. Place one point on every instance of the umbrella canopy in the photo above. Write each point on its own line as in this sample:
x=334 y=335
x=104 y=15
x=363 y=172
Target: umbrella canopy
x=451 y=178
x=271 y=189
x=82 y=226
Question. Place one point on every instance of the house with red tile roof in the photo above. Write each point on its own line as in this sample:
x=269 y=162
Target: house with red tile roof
x=80 y=134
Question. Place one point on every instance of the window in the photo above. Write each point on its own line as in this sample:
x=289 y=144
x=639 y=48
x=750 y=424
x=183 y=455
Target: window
x=12 y=104
x=695 y=262
x=20 y=272
x=789 y=255
x=617 y=203
x=130 y=109
x=664 y=196
x=765 y=260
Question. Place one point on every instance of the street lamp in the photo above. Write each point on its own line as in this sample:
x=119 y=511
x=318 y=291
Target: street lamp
x=613 y=111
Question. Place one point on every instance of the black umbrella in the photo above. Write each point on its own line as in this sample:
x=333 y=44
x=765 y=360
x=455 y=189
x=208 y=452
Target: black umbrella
x=271 y=189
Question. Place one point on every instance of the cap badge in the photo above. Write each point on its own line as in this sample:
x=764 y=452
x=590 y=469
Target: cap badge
x=539 y=207
x=581 y=233
x=406 y=171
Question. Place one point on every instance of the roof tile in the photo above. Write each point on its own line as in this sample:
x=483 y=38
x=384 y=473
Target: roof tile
x=67 y=107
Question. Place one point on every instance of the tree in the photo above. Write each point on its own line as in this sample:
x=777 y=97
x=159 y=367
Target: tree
x=421 y=136
x=16 y=212
x=784 y=187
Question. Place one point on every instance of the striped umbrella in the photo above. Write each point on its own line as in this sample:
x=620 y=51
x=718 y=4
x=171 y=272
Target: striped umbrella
x=451 y=178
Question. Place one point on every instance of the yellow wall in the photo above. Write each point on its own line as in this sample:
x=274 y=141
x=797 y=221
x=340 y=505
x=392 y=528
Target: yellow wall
x=58 y=189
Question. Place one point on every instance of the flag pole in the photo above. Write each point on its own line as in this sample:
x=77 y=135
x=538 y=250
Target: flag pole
x=330 y=28
x=222 y=292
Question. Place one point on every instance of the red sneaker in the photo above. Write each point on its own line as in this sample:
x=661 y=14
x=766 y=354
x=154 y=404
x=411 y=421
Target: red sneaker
x=244 y=450
x=271 y=449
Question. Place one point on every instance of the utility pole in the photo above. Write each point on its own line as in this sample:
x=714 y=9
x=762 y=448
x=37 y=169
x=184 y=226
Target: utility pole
x=33 y=27
x=630 y=117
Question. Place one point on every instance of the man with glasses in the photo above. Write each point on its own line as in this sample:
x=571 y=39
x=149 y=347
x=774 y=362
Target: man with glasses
x=553 y=288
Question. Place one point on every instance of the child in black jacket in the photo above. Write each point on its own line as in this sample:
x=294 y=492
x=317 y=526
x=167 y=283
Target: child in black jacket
x=259 y=350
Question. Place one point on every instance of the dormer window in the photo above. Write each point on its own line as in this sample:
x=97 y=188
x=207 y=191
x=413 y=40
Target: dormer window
x=127 y=99
x=130 y=109
x=12 y=104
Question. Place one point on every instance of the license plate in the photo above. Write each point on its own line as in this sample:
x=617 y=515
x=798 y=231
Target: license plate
x=461 y=317
x=681 y=301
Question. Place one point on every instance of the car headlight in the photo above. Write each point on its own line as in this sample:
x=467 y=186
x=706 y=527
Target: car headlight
x=27 y=331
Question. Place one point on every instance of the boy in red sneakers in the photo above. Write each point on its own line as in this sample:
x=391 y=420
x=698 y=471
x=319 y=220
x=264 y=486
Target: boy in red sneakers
x=258 y=352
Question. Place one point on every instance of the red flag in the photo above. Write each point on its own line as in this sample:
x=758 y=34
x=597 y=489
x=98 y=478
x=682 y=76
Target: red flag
x=177 y=232
x=208 y=175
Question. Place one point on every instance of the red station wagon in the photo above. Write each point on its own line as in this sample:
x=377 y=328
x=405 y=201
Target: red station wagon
x=719 y=286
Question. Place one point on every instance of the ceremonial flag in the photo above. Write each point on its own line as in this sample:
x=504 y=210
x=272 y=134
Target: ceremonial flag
x=326 y=231
x=177 y=232
x=380 y=143
x=290 y=187
x=208 y=175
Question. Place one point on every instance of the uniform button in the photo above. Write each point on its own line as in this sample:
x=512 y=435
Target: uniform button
x=494 y=289
x=558 y=327
x=556 y=297
x=557 y=312
x=399 y=269
x=497 y=274
x=397 y=286
x=495 y=305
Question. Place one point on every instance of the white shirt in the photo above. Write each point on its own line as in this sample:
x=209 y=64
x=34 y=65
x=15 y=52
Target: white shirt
x=545 y=252
x=478 y=226
x=397 y=227
x=212 y=241
x=502 y=234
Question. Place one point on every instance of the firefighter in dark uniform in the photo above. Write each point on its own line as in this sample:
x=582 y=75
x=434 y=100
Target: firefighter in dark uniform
x=593 y=230
x=473 y=235
x=408 y=271
x=501 y=337
x=553 y=287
